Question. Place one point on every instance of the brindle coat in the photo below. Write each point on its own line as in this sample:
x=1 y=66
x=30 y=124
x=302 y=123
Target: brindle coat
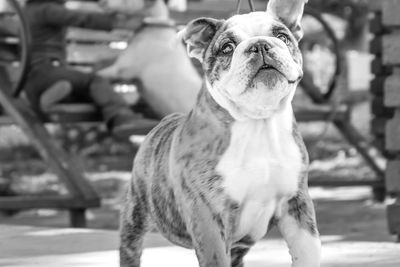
x=176 y=184
x=177 y=168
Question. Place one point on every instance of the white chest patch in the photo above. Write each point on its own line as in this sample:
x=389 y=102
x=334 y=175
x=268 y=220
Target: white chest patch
x=260 y=168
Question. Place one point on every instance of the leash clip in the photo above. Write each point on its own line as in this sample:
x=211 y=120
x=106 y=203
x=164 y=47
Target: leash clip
x=239 y=5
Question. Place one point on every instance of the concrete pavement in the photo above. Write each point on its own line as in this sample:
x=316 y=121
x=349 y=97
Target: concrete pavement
x=64 y=247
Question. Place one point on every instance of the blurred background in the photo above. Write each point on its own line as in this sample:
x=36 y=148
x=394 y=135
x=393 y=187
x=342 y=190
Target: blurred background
x=337 y=64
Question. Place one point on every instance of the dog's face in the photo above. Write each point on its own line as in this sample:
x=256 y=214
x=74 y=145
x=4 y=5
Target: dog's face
x=252 y=62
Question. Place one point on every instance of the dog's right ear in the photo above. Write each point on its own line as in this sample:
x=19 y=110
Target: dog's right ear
x=198 y=34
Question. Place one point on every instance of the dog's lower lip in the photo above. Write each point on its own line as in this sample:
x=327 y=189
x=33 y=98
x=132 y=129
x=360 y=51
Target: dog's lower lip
x=270 y=67
x=266 y=67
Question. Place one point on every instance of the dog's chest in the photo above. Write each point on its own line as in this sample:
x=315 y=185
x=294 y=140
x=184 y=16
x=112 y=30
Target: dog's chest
x=260 y=168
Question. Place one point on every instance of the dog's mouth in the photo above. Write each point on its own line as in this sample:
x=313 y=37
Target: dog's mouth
x=267 y=70
x=269 y=67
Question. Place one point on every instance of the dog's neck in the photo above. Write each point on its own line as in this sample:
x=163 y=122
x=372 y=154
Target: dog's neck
x=208 y=110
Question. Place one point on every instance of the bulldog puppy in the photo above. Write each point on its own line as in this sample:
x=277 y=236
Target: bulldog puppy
x=218 y=178
x=159 y=60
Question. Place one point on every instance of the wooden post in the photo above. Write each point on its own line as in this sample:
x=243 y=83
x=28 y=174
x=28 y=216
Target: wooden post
x=77 y=218
x=385 y=89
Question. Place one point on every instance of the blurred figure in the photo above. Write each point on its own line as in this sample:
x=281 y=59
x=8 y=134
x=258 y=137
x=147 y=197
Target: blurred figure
x=8 y=27
x=154 y=8
x=50 y=80
x=160 y=61
x=177 y=5
x=129 y=6
x=122 y=6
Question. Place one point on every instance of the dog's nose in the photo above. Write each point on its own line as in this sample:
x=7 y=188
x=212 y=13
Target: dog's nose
x=259 y=47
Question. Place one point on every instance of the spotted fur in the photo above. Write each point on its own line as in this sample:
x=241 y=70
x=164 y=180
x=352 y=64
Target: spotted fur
x=216 y=179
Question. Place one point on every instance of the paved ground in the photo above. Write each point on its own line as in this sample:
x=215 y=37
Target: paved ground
x=26 y=246
x=354 y=233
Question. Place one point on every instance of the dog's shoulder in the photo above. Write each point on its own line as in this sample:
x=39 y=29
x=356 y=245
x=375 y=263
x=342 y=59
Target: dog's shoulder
x=166 y=126
x=158 y=142
x=162 y=134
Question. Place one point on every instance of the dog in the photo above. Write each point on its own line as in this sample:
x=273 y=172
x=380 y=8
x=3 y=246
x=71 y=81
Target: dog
x=218 y=178
x=155 y=57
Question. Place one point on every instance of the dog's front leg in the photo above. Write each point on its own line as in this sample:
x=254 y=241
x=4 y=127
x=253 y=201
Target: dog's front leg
x=208 y=234
x=133 y=226
x=299 y=228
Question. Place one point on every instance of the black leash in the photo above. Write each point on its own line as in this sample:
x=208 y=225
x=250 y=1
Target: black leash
x=239 y=5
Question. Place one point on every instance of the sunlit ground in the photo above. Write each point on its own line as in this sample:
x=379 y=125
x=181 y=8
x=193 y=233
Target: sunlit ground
x=30 y=247
x=353 y=232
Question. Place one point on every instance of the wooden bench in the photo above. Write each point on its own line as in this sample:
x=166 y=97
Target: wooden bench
x=68 y=167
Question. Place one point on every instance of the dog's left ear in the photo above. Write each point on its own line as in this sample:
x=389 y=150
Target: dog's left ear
x=289 y=12
x=198 y=34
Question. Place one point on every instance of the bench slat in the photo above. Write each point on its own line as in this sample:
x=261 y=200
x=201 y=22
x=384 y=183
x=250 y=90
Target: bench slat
x=342 y=182
x=320 y=113
x=93 y=36
x=81 y=112
x=55 y=202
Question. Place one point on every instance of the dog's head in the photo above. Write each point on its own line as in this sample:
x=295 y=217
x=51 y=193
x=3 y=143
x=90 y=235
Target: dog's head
x=252 y=62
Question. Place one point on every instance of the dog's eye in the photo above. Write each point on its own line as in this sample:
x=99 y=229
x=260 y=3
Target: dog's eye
x=283 y=37
x=228 y=48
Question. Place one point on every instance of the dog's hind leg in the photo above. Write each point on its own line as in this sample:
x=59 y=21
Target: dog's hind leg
x=134 y=224
x=240 y=250
x=299 y=229
x=237 y=255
